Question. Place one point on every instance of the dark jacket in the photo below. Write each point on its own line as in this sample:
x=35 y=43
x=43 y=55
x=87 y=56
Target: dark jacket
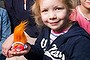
x=17 y=13
x=73 y=45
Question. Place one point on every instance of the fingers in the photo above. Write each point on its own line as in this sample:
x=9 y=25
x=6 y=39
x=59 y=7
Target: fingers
x=4 y=51
x=10 y=53
x=20 y=53
x=14 y=53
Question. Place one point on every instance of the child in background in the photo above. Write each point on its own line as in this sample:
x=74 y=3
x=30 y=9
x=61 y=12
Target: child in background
x=60 y=38
x=82 y=14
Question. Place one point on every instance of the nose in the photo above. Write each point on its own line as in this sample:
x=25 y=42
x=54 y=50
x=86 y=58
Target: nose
x=52 y=15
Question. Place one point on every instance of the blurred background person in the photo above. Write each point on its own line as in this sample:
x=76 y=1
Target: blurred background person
x=5 y=29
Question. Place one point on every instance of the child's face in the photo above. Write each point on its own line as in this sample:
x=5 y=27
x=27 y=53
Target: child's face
x=85 y=3
x=53 y=13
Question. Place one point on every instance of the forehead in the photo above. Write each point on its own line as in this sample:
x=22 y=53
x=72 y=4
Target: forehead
x=51 y=2
x=84 y=0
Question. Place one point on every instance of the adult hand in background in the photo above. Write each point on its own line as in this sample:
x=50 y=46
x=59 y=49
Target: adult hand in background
x=9 y=41
x=7 y=45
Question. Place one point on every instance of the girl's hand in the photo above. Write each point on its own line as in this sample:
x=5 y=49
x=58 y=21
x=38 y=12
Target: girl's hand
x=13 y=52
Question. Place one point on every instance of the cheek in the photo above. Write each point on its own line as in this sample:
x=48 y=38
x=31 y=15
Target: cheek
x=44 y=17
x=61 y=15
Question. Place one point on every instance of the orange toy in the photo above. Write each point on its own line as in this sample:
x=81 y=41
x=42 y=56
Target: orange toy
x=19 y=37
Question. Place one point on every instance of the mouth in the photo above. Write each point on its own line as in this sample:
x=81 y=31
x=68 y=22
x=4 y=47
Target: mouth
x=88 y=2
x=54 y=23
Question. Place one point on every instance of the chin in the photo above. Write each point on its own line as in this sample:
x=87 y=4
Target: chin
x=55 y=28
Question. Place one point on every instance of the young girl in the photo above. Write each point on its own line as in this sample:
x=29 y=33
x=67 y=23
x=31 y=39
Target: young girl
x=60 y=39
x=82 y=14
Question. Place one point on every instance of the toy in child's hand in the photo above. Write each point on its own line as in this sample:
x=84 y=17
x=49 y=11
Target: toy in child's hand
x=19 y=37
x=18 y=46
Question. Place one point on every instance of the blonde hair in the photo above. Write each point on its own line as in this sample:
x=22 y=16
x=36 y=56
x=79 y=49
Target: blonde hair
x=36 y=10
